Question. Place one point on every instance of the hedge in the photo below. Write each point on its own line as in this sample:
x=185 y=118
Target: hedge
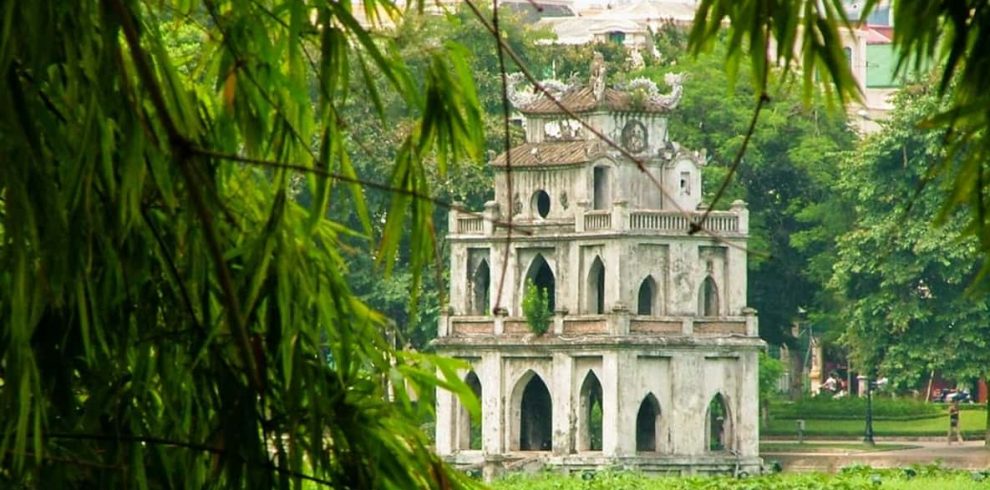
x=854 y=408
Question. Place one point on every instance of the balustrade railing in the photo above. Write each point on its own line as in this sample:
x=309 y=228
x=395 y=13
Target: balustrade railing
x=470 y=224
x=597 y=220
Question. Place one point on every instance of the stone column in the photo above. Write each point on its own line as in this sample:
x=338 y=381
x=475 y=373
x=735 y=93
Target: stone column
x=752 y=322
x=561 y=395
x=452 y=217
x=491 y=215
x=687 y=415
x=580 y=208
x=445 y=421
x=490 y=369
x=747 y=413
x=611 y=431
x=620 y=215
x=739 y=207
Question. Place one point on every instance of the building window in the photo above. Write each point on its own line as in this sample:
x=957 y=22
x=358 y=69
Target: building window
x=596 y=287
x=718 y=424
x=617 y=37
x=648 y=424
x=542 y=277
x=602 y=190
x=708 y=298
x=590 y=414
x=480 y=289
x=646 y=293
x=541 y=203
x=685 y=183
x=535 y=416
x=468 y=429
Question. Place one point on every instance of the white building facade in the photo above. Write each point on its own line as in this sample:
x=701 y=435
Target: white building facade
x=651 y=357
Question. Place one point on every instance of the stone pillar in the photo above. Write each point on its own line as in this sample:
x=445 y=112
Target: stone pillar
x=739 y=207
x=500 y=314
x=687 y=326
x=491 y=215
x=445 y=421
x=620 y=215
x=443 y=326
x=452 y=216
x=579 y=209
x=619 y=320
x=611 y=431
x=560 y=393
x=490 y=371
x=687 y=416
x=752 y=322
x=747 y=413
x=558 y=320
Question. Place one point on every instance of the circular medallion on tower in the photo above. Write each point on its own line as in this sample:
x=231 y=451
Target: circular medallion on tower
x=634 y=136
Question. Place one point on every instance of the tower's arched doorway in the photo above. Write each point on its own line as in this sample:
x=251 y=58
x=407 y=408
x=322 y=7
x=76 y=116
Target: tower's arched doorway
x=480 y=289
x=708 y=298
x=647 y=293
x=590 y=414
x=648 y=424
x=718 y=430
x=535 y=415
x=596 y=287
x=542 y=277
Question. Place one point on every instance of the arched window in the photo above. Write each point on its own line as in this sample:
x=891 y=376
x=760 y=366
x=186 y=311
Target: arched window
x=596 y=287
x=480 y=287
x=590 y=414
x=647 y=291
x=602 y=188
x=468 y=428
x=541 y=203
x=648 y=424
x=535 y=415
x=542 y=276
x=708 y=298
x=718 y=430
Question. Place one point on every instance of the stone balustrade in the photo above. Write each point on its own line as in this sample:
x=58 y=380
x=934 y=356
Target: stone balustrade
x=616 y=323
x=617 y=219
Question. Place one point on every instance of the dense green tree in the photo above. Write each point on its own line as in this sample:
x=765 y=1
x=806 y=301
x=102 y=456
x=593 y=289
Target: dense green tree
x=902 y=282
x=786 y=174
x=174 y=303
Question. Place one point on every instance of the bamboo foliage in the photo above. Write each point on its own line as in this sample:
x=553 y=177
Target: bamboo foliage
x=173 y=308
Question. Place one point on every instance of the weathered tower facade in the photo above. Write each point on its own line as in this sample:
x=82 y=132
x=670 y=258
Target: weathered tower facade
x=651 y=356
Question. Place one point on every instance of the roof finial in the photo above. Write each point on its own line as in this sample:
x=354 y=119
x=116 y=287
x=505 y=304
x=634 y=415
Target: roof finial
x=597 y=81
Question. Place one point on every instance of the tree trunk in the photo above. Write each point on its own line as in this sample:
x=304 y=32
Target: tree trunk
x=986 y=432
x=797 y=374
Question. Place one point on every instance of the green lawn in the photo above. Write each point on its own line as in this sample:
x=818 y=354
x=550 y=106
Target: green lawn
x=973 y=423
x=858 y=479
x=828 y=447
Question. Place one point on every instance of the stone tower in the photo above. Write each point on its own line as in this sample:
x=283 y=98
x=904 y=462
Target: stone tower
x=651 y=357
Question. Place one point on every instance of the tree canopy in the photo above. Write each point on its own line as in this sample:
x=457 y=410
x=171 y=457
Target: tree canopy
x=174 y=299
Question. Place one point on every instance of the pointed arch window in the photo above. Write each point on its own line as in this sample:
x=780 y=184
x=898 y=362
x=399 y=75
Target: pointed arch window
x=647 y=293
x=590 y=414
x=542 y=276
x=708 y=298
x=596 y=287
x=480 y=289
x=467 y=430
x=648 y=424
x=535 y=416
x=718 y=426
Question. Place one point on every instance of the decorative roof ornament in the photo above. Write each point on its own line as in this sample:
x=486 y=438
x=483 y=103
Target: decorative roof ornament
x=597 y=81
x=651 y=93
x=521 y=94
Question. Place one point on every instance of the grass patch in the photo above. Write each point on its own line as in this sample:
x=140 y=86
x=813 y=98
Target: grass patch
x=859 y=478
x=972 y=424
x=829 y=447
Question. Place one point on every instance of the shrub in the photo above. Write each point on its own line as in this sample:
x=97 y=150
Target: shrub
x=853 y=408
x=536 y=308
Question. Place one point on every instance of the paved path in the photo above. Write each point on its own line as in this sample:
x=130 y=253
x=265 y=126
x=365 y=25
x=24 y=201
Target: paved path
x=968 y=455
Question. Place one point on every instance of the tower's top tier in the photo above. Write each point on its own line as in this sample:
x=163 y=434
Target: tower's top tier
x=638 y=95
